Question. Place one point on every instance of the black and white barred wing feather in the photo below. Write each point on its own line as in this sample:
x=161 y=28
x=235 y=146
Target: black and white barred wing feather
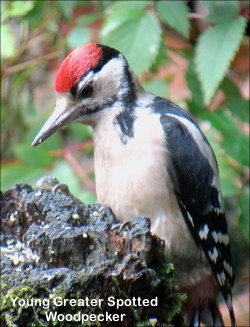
x=193 y=169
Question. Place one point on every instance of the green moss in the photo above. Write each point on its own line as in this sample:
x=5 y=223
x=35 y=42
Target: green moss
x=176 y=298
x=8 y=318
x=144 y=324
x=10 y=314
x=19 y=292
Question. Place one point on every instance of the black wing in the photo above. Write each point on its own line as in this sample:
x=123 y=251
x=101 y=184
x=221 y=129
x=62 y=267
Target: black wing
x=193 y=170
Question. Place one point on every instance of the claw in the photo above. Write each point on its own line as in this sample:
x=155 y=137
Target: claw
x=51 y=183
x=120 y=226
x=63 y=188
x=46 y=182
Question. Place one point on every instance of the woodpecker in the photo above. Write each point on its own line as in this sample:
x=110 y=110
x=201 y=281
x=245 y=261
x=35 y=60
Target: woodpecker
x=151 y=159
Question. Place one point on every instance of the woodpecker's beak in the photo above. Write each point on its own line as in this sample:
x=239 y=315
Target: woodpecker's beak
x=60 y=117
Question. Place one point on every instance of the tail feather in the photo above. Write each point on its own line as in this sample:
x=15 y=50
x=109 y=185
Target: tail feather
x=210 y=316
x=232 y=317
x=231 y=311
x=196 y=318
x=216 y=315
x=194 y=322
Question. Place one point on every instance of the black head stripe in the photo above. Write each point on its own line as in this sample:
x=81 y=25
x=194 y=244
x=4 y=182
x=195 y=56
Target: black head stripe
x=107 y=54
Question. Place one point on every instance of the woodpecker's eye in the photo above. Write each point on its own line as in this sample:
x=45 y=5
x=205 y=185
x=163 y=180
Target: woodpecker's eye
x=87 y=91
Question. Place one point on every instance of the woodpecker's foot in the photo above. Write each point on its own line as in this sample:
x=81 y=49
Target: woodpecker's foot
x=120 y=226
x=51 y=183
x=63 y=188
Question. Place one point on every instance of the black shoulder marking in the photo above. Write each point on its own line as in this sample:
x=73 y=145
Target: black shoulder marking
x=126 y=117
x=164 y=106
x=126 y=122
x=192 y=178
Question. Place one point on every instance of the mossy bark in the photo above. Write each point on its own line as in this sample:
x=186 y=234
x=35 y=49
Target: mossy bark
x=55 y=246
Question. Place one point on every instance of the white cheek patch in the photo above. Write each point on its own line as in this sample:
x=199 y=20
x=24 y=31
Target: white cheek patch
x=113 y=70
x=107 y=81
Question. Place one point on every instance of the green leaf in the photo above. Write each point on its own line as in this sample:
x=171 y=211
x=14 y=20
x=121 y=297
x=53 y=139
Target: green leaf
x=243 y=218
x=17 y=9
x=35 y=17
x=161 y=58
x=78 y=36
x=3 y=6
x=215 y=51
x=239 y=107
x=234 y=100
x=235 y=142
x=129 y=38
x=66 y=175
x=196 y=104
x=8 y=48
x=219 y=11
x=230 y=89
x=52 y=143
x=66 y=7
x=33 y=156
x=80 y=132
x=104 y=4
x=87 y=19
x=120 y=12
x=157 y=86
x=175 y=14
x=19 y=173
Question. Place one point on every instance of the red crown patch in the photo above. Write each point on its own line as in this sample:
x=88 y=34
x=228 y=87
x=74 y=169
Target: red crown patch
x=78 y=62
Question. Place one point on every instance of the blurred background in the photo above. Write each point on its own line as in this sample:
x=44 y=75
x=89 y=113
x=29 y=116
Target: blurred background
x=195 y=53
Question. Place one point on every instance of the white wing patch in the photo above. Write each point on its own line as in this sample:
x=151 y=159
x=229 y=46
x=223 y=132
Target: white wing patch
x=221 y=277
x=228 y=268
x=218 y=211
x=213 y=255
x=190 y=218
x=204 y=232
x=220 y=238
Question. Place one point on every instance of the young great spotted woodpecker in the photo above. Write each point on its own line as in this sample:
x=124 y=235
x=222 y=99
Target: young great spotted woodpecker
x=151 y=159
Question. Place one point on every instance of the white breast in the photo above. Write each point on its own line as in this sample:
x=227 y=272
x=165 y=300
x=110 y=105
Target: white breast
x=132 y=180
